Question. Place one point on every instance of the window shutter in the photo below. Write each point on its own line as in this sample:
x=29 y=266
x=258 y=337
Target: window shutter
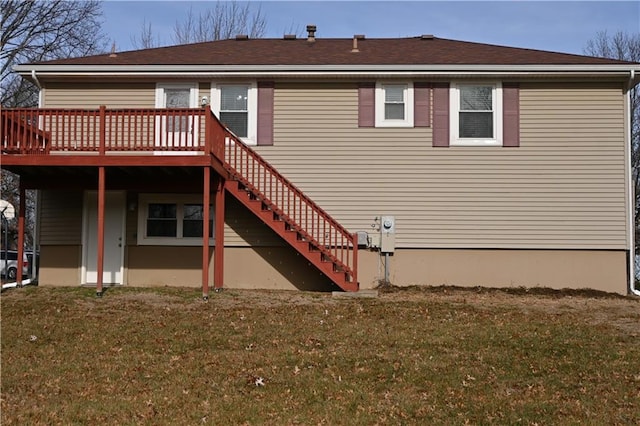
x=440 y=115
x=366 y=105
x=511 y=115
x=421 y=104
x=265 y=113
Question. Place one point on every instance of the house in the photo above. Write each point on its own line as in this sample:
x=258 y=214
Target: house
x=313 y=163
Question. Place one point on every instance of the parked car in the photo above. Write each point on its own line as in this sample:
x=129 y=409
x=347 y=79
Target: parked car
x=9 y=269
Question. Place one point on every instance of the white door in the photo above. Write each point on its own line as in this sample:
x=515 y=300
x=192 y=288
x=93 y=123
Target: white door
x=176 y=130
x=114 y=212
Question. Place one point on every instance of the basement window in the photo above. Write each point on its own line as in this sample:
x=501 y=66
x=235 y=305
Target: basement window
x=172 y=219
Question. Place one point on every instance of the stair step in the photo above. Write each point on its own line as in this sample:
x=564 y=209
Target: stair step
x=293 y=234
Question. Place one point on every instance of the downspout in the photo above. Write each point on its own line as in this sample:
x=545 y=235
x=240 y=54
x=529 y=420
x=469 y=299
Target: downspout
x=35 y=260
x=632 y=204
x=34 y=77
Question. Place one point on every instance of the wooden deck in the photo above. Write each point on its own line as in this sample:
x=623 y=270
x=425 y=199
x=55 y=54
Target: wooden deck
x=57 y=140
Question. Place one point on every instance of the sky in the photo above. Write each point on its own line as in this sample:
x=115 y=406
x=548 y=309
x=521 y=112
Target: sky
x=560 y=26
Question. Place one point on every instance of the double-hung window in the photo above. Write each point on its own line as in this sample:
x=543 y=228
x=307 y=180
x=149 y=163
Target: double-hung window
x=171 y=219
x=236 y=106
x=394 y=104
x=476 y=114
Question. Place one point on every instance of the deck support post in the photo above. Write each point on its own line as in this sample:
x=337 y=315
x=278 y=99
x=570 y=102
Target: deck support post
x=21 y=216
x=206 y=202
x=218 y=259
x=100 y=263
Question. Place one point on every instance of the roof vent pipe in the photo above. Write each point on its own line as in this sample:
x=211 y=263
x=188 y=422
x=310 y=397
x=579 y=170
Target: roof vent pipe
x=311 y=33
x=354 y=49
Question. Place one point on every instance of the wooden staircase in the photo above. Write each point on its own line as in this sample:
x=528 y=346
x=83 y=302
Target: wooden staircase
x=29 y=132
x=285 y=209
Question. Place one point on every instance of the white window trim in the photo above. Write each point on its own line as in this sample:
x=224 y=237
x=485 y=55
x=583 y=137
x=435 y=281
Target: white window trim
x=180 y=199
x=408 y=105
x=252 y=105
x=454 y=103
x=193 y=94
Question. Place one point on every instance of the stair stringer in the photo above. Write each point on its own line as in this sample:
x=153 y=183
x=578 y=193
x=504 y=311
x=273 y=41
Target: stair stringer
x=293 y=234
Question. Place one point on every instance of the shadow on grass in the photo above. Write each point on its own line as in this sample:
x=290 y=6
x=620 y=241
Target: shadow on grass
x=516 y=291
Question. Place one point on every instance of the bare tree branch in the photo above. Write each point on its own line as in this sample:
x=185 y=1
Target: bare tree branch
x=146 y=39
x=33 y=31
x=225 y=20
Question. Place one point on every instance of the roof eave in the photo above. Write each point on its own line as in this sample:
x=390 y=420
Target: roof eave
x=332 y=71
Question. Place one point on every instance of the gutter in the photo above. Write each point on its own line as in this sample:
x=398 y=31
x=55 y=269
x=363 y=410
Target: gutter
x=632 y=204
x=352 y=71
x=325 y=68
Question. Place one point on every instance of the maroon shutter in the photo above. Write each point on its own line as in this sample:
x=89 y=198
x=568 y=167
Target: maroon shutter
x=510 y=115
x=366 y=105
x=441 y=114
x=421 y=104
x=265 y=113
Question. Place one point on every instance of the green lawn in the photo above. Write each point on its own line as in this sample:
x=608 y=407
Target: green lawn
x=430 y=356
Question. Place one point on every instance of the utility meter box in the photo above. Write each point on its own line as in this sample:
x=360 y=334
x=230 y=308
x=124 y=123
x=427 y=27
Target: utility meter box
x=387 y=234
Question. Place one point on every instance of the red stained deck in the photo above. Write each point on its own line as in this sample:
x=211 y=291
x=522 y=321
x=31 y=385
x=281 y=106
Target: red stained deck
x=95 y=141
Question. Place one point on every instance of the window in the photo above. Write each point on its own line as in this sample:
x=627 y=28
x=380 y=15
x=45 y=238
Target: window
x=394 y=104
x=176 y=130
x=236 y=106
x=171 y=220
x=177 y=98
x=162 y=220
x=192 y=220
x=476 y=114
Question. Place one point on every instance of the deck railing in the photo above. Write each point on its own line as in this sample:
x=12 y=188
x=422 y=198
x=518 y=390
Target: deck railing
x=43 y=130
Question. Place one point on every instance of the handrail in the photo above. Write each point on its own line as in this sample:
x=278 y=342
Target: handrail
x=21 y=135
x=39 y=131
x=101 y=130
x=283 y=197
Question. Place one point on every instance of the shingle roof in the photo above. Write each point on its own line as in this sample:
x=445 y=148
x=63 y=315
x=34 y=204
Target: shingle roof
x=333 y=51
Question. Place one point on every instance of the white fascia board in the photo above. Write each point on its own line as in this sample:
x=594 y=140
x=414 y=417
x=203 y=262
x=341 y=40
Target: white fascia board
x=334 y=71
x=164 y=69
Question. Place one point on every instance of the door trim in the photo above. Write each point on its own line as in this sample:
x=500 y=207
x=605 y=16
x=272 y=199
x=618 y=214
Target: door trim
x=185 y=139
x=85 y=231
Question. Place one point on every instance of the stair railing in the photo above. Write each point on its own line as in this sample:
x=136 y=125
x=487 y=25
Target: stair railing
x=281 y=196
x=21 y=133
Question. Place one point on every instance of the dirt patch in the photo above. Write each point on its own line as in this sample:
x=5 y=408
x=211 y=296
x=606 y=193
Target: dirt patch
x=595 y=307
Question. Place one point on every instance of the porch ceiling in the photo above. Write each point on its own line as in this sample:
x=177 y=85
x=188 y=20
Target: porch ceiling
x=139 y=178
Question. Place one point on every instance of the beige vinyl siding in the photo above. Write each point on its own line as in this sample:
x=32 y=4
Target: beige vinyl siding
x=562 y=188
x=92 y=95
x=243 y=229
x=60 y=218
x=112 y=95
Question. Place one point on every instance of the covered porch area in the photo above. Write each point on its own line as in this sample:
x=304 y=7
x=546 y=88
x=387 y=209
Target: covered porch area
x=168 y=151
